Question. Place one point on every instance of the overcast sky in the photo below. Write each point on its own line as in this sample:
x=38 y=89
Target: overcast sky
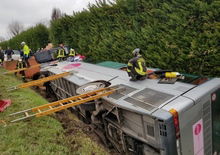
x=31 y=12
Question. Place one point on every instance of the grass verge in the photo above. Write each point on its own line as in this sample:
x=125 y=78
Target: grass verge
x=43 y=135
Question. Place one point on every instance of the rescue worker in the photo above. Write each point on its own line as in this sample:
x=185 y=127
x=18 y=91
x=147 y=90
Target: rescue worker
x=136 y=68
x=26 y=52
x=9 y=53
x=1 y=56
x=21 y=64
x=72 y=53
x=61 y=53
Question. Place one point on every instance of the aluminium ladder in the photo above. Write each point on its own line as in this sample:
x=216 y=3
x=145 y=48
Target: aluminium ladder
x=21 y=69
x=39 y=81
x=64 y=104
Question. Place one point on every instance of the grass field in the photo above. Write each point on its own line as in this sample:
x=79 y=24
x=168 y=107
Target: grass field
x=44 y=135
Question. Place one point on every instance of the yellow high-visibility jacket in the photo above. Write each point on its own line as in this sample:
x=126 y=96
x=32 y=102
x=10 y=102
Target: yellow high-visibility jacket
x=138 y=65
x=61 y=53
x=72 y=53
x=26 y=50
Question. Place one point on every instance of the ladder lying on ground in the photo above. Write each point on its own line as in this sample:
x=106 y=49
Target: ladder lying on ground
x=21 y=69
x=37 y=82
x=64 y=104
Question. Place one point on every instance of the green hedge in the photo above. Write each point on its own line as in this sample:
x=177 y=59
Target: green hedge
x=35 y=37
x=181 y=35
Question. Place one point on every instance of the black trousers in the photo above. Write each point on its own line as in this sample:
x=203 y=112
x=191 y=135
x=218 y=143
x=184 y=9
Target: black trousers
x=61 y=58
x=25 y=58
x=2 y=59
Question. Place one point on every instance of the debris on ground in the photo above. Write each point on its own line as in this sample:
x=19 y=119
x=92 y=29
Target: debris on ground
x=4 y=104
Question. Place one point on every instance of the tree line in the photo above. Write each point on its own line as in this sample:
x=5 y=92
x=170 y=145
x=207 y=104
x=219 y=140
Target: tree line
x=36 y=37
x=180 y=35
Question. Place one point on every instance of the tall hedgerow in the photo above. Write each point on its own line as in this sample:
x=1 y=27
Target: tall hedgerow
x=181 y=35
x=35 y=37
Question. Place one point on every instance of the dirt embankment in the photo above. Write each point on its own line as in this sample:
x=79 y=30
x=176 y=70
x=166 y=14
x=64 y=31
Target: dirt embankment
x=75 y=130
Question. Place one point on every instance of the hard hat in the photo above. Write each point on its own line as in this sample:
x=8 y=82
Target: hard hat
x=136 y=51
x=22 y=43
x=20 y=60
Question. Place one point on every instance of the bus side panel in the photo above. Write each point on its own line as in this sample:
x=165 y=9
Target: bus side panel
x=199 y=118
x=195 y=129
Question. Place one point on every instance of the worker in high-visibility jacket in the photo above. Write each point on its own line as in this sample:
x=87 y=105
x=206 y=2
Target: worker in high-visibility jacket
x=21 y=64
x=26 y=52
x=72 y=53
x=136 y=67
x=61 y=54
x=1 y=56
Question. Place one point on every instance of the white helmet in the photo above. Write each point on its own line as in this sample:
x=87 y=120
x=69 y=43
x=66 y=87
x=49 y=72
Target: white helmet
x=136 y=51
x=20 y=59
x=22 y=43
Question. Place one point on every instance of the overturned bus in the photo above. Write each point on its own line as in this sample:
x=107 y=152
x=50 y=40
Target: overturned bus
x=146 y=117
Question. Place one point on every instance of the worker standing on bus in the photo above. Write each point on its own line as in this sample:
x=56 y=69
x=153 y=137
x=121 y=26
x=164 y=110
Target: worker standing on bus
x=26 y=52
x=61 y=53
x=72 y=53
x=136 y=66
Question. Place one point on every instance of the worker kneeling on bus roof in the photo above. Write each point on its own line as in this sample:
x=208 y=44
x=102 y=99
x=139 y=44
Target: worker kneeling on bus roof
x=136 y=67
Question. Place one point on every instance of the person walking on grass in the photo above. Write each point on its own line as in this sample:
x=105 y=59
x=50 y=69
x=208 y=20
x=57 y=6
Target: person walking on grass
x=26 y=52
